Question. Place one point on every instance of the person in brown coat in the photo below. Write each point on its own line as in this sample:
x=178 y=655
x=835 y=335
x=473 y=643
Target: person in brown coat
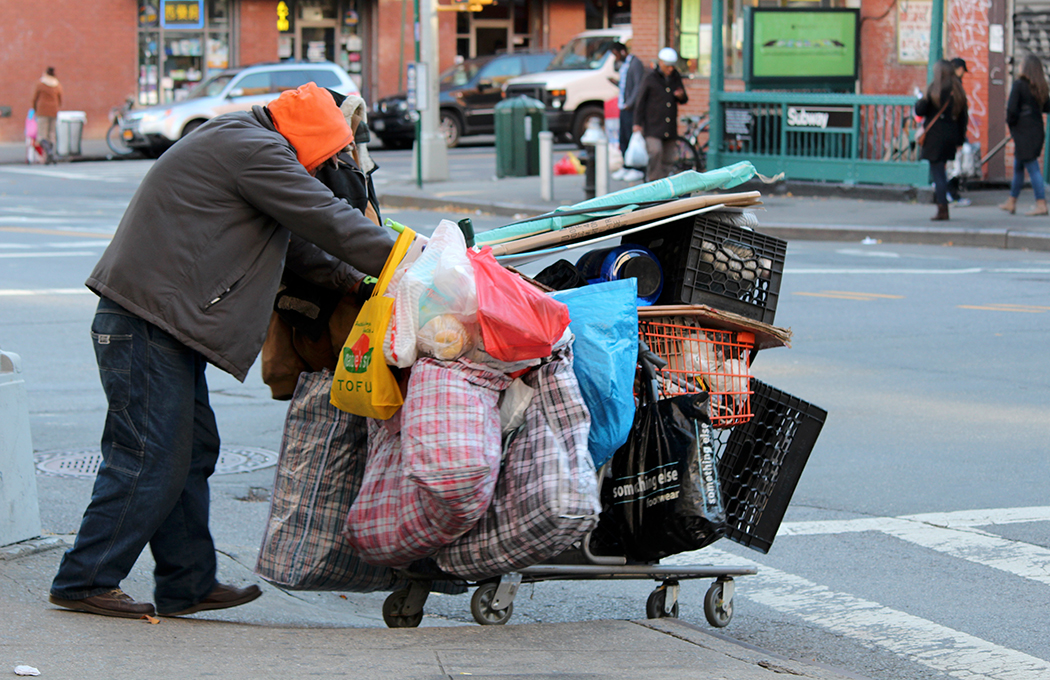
x=656 y=113
x=47 y=98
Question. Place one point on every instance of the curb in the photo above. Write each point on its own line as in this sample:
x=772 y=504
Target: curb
x=32 y=546
x=390 y=200
x=866 y=192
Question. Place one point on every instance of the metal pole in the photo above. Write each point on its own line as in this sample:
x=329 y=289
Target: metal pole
x=419 y=117
x=717 y=84
x=546 y=165
x=434 y=166
x=601 y=167
x=936 y=33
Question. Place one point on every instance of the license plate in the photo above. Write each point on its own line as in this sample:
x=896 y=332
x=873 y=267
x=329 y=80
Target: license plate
x=378 y=125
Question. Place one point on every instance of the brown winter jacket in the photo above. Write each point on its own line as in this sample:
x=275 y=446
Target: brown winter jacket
x=47 y=97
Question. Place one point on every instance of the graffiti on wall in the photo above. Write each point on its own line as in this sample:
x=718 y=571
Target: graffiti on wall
x=968 y=39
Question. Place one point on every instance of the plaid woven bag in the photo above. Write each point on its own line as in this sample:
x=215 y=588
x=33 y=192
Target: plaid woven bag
x=427 y=485
x=547 y=493
x=319 y=472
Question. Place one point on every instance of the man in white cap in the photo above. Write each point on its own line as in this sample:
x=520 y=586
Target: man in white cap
x=656 y=113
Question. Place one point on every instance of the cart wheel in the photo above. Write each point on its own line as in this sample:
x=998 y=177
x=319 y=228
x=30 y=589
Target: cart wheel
x=481 y=606
x=656 y=605
x=719 y=612
x=392 y=604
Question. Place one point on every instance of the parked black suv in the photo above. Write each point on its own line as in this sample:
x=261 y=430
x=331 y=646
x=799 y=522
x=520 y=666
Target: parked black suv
x=469 y=92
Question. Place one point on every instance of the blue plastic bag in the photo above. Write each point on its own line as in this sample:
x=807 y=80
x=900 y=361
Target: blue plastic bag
x=605 y=323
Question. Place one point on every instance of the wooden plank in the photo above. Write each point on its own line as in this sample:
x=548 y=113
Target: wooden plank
x=606 y=224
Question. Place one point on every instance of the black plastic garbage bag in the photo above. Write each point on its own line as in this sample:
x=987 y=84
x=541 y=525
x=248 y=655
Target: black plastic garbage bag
x=663 y=496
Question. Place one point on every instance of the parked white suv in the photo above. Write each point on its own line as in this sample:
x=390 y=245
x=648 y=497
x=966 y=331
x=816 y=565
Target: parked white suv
x=577 y=83
x=154 y=129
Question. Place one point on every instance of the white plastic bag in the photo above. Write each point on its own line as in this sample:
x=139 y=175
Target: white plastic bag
x=636 y=156
x=440 y=281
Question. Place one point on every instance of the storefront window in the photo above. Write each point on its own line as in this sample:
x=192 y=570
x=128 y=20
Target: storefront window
x=218 y=52
x=149 y=67
x=180 y=43
x=692 y=28
x=316 y=10
x=693 y=31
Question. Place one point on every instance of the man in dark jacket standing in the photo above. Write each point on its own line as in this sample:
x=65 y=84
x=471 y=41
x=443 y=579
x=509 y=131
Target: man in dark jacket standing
x=656 y=113
x=189 y=279
x=631 y=74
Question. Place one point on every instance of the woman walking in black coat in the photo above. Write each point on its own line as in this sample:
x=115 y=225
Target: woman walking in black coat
x=945 y=116
x=1029 y=100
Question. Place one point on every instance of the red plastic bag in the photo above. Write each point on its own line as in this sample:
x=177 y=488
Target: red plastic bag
x=518 y=322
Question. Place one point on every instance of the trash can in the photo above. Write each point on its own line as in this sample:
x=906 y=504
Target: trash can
x=519 y=122
x=19 y=507
x=69 y=127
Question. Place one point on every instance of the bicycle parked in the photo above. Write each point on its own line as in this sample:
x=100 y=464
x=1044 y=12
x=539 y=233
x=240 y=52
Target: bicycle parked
x=115 y=135
x=691 y=145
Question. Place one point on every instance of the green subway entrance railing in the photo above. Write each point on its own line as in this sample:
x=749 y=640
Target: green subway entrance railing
x=848 y=138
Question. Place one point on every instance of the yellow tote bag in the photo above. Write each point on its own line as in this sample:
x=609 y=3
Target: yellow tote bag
x=363 y=384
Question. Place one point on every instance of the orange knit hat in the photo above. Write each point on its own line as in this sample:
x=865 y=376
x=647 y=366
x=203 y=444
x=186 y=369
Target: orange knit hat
x=310 y=120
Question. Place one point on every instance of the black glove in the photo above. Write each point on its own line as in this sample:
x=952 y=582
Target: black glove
x=364 y=291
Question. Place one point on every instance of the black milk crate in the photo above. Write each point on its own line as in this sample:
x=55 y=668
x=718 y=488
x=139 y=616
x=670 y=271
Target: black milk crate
x=761 y=461
x=709 y=260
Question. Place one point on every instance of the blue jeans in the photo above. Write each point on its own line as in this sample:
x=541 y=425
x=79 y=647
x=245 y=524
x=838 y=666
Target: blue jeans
x=1034 y=173
x=626 y=123
x=159 y=446
x=940 y=182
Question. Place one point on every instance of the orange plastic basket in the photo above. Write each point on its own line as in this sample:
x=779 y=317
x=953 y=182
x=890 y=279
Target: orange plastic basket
x=701 y=359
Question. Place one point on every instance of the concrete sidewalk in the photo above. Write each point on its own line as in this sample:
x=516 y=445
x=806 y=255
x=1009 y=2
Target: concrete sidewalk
x=285 y=635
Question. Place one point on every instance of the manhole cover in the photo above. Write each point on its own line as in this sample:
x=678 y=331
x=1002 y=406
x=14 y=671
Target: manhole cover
x=85 y=462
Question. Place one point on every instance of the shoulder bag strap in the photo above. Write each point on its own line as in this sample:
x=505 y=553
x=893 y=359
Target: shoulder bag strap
x=922 y=135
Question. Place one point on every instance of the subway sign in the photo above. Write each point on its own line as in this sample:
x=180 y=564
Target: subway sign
x=821 y=117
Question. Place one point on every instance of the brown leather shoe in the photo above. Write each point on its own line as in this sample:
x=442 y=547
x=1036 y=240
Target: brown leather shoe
x=114 y=603
x=221 y=597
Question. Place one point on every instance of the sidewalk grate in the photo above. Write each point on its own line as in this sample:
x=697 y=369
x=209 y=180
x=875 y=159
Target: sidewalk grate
x=84 y=463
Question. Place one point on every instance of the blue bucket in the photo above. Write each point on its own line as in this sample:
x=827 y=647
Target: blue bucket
x=628 y=261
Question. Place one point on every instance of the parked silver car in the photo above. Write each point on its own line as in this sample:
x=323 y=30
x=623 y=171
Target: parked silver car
x=154 y=129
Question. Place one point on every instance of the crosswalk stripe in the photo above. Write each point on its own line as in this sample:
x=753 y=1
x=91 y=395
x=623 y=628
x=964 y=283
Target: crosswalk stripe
x=953 y=534
x=66 y=253
x=943 y=649
x=56 y=232
x=956 y=519
x=1005 y=307
x=836 y=296
x=17 y=292
x=847 y=295
x=874 y=295
x=1013 y=557
x=984 y=517
x=865 y=270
